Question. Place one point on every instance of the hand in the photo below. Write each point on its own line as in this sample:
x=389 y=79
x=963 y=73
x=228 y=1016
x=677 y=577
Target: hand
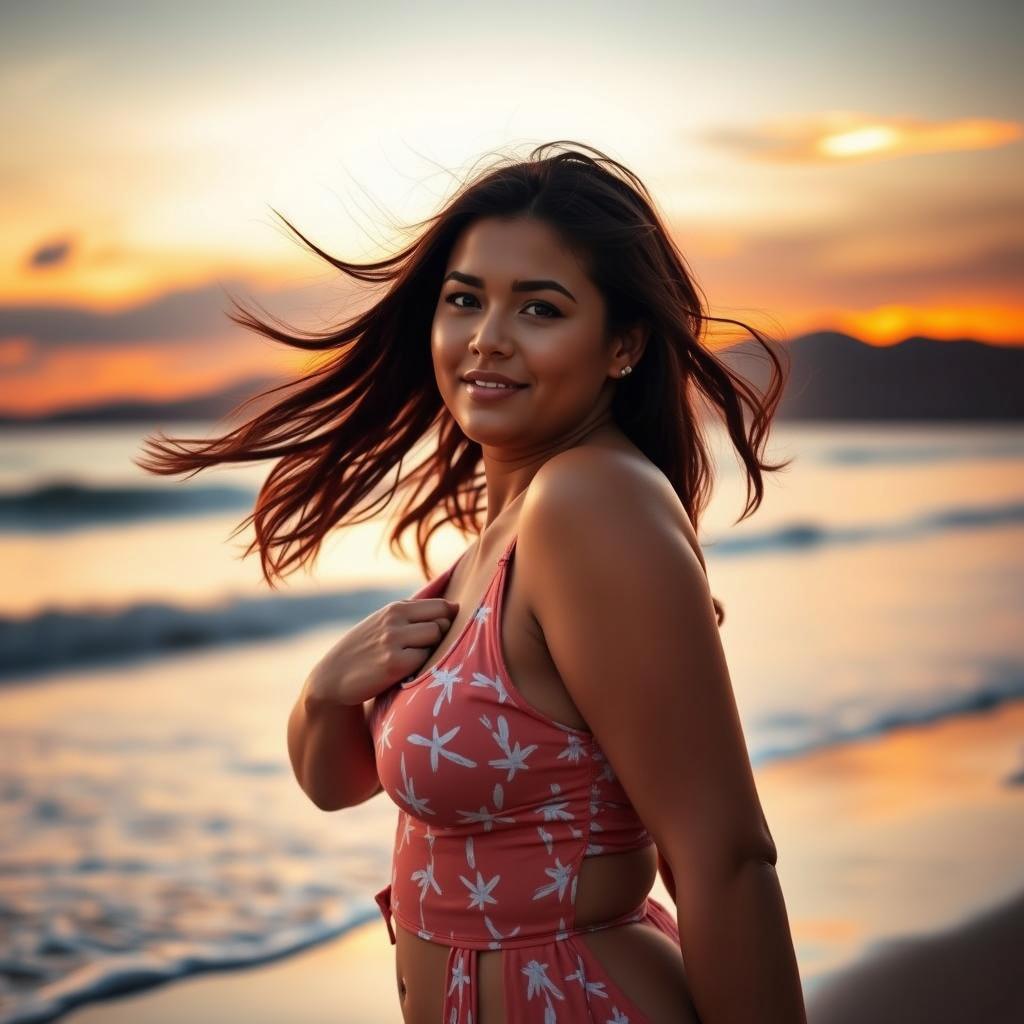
x=382 y=649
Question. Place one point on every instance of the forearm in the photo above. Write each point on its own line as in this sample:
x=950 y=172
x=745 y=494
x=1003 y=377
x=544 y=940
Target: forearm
x=737 y=948
x=331 y=749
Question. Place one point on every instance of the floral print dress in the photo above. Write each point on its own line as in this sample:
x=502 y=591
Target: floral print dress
x=498 y=805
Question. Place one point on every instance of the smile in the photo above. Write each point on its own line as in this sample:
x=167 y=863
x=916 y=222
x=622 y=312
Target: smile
x=489 y=391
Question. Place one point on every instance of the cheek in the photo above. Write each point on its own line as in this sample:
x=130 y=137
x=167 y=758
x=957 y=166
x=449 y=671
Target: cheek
x=444 y=353
x=568 y=362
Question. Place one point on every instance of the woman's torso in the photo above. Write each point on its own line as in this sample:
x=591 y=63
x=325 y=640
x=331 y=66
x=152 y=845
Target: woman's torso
x=644 y=962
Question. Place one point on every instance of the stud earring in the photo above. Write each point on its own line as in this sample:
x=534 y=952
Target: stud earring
x=625 y=370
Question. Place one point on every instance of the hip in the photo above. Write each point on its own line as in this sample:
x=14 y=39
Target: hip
x=625 y=972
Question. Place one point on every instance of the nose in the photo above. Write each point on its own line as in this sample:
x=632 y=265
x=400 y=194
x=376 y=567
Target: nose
x=491 y=335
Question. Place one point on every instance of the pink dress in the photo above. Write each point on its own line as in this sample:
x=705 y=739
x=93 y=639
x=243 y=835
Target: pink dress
x=498 y=805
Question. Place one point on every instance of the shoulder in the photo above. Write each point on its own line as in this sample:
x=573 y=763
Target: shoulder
x=609 y=494
x=614 y=580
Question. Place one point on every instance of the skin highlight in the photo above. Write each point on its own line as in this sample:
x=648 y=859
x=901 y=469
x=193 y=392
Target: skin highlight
x=553 y=343
x=556 y=345
x=604 y=480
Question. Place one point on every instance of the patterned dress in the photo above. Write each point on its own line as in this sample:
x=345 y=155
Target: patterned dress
x=498 y=805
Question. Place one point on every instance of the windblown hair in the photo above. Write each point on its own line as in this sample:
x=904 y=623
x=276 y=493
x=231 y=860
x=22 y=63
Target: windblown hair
x=354 y=419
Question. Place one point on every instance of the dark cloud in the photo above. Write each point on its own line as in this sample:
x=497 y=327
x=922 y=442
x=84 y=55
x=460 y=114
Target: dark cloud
x=50 y=255
x=192 y=313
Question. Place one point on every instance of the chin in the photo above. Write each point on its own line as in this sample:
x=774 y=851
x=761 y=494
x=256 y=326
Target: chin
x=492 y=434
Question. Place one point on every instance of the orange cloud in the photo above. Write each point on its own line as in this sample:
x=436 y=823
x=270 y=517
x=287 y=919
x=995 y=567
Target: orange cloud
x=14 y=352
x=845 y=136
x=886 y=325
x=83 y=376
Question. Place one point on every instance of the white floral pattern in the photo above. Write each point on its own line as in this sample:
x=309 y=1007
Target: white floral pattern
x=385 y=733
x=480 y=891
x=418 y=804
x=561 y=873
x=595 y=988
x=495 y=683
x=575 y=749
x=514 y=760
x=437 y=747
x=538 y=981
x=496 y=864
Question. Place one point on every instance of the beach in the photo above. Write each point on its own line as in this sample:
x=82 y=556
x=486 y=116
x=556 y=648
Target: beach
x=157 y=854
x=968 y=973
x=954 y=957
x=349 y=979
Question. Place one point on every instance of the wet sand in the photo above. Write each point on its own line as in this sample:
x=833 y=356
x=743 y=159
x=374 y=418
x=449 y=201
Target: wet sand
x=899 y=858
x=349 y=980
x=969 y=974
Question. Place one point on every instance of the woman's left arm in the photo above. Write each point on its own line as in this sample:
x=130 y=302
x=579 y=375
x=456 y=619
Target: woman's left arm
x=622 y=598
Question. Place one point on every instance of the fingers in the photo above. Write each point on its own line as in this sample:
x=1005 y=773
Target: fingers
x=429 y=608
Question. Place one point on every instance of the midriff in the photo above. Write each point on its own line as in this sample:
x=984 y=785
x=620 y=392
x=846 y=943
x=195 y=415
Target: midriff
x=643 y=961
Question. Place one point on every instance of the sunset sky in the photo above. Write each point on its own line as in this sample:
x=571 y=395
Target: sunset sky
x=851 y=167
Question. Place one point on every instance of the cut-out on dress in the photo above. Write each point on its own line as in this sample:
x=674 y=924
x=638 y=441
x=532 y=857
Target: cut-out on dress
x=498 y=805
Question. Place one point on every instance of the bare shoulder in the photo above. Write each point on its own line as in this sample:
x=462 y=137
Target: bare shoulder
x=616 y=584
x=624 y=488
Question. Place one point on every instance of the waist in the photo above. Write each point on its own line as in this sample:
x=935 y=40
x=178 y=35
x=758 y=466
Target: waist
x=488 y=931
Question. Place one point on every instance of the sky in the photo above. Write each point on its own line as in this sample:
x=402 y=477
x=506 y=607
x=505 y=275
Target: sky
x=821 y=166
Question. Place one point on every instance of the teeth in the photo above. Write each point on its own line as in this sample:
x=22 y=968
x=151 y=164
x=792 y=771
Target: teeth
x=490 y=384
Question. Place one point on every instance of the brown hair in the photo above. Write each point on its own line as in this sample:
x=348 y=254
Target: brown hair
x=356 y=416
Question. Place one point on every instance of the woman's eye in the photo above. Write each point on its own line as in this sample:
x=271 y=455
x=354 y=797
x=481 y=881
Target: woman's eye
x=549 y=312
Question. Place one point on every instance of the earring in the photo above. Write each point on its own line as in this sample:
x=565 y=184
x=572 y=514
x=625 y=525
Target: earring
x=625 y=370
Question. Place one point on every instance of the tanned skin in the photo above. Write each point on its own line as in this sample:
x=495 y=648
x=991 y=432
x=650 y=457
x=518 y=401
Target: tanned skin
x=609 y=626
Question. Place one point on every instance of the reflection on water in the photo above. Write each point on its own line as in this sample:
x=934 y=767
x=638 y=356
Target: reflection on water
x=150 y=823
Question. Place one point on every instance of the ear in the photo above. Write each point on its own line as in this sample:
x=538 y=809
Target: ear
x=628 y=346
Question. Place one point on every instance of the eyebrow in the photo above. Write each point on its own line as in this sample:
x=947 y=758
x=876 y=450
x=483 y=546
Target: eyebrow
x=517 y=286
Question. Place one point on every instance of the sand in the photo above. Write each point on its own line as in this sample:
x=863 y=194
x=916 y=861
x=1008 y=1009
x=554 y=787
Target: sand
x=971 y=974
x=349 y=980
x=913 y=836
x=968 y=974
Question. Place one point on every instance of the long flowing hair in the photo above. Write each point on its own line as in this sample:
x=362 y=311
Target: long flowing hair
x=342 y=433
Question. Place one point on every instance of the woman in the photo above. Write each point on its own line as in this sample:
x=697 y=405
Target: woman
x=553 y=714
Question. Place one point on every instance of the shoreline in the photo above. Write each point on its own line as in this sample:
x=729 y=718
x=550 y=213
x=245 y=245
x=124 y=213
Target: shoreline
x=349 y=979
x=906 y=906
x=970 y=972
x=966 y=972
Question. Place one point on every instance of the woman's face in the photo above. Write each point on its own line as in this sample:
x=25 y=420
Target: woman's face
x=515 y=301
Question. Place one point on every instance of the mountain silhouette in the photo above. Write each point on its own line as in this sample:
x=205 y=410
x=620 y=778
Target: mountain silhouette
x=833 y=376
x=208 y=406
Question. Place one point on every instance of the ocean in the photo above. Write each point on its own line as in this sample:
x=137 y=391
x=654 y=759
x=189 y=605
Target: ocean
x=151 y=825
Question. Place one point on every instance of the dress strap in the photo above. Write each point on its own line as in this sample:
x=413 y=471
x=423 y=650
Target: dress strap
x=508 y=550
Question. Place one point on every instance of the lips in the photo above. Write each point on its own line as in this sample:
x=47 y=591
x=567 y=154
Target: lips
x=490 y=394
x=490 y=377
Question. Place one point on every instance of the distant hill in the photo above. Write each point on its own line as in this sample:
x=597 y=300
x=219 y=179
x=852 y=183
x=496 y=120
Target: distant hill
x=833 y=376
x=836 y=377
x=209 y=406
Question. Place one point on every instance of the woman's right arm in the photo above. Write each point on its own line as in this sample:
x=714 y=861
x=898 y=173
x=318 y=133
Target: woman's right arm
x=330 y=744
x=329 y=740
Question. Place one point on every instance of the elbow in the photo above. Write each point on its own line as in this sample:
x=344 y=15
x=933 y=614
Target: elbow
x=324 y=803
x=723 y=860
x=324 y=799
x=758 y=849
x=740 y=859
x=754 y=844
x=341 y=797
x=763 y=851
